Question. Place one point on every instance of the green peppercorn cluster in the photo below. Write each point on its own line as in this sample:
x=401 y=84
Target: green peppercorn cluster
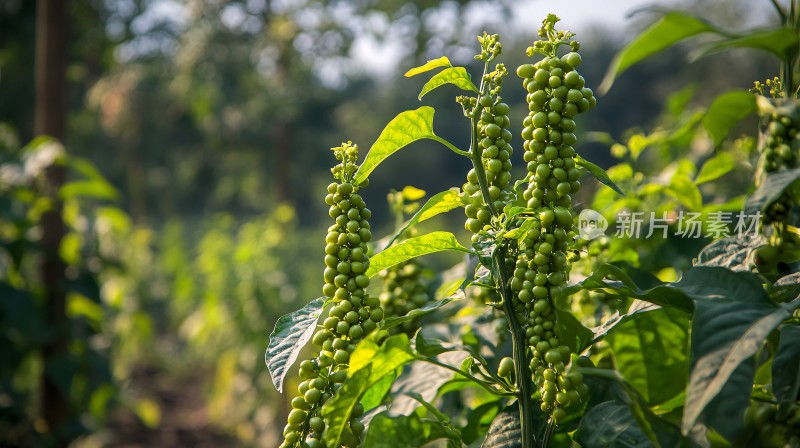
x=406 y=287
x=556 y=95
x=494 y=143
x=353 y=315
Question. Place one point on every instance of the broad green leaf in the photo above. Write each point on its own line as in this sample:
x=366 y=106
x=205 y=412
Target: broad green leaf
x=730 y=253
x=669 y=30
x=572 y=332
x=393 y=353
x=405 y=128
x=412 y=193
x=636 y=308
x=430 y=65
x=772 y=188
x=292 y=332
x=685 y=191
x=421 y=311
x=479 y=420
x=598 y=173
x=786 y=369
x=88 y=189
x=457 y=76
x=725 y=111
x=406 y=431
x=650 y=352
x=778 y=41
x=505 y=432
x=727 y=330
x=414 y=247
x=425 y=379
x=715 y=167
x=611 y=424
x=439 y=203
x=610 y=386
x=374 y=395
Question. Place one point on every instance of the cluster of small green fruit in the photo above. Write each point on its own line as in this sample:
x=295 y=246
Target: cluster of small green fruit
x=352 y=316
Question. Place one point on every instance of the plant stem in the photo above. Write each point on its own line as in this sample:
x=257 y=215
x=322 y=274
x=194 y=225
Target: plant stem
x=518 y=340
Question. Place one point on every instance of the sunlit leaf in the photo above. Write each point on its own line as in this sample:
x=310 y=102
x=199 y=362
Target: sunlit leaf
x=393 y=353
x=684 y=190
x=666 y=32
x=439 y=203
x=412 y=248
x=430 y=65
x=715 y=167
x=778 y=41
x=412 y=193
x=405 y=128
x=725 y=111
x=292 y=332
x=457 y=76
x=598 y=173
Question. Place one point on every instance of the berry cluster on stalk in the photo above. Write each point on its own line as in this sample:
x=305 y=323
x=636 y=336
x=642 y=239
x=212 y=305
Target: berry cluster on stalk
x=352 y=316
x=556 y=95
x=494 y=140
x=778 y=152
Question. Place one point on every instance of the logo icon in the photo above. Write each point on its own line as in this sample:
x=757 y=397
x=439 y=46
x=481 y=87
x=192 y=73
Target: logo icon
x=591 y=224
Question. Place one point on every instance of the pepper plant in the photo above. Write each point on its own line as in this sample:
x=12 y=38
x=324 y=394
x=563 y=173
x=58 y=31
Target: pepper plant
x=717 y=348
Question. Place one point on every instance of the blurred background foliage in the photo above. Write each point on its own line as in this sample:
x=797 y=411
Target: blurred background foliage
x=198 y=136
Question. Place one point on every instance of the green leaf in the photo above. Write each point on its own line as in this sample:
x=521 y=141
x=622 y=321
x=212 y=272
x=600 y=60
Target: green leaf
x=572 y=332
x=88 y=189
x=504 y=431
x=430 y=65
x=374 y=395
x=439 y=203
x=786 y=370
x=772 y=189
x=637 y=307
x=292 y=332
x=405 y=128
x=730 y=253
x=421 y=311
x=611 y=424
x=479 y=420
x=684 y=190
x=725 y=111
x=414 y=247
x=598 y=173
x=650 y=352
x=406 y=431
x=669 y=30
x=727 y=330
x=715 y=167
x=457 y=76
x=381 y=361
x=778 y=41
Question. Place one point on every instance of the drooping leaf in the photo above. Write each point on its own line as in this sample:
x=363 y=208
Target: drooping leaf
x=778 y=41
x=772 y=188
x=374 y=365
x=425 y=379
x=666 y=32
x=727 y=330
x=611 y=424
x=598 y=173
x=439 y=203
x=412 y=248
x=428 y=308
x=292 y=332
x=715 y=167
x=407 y=127
x=650 y=350
x=786 y=370
x=457 y=76
x=428 y=66
x=637 y=307
x=725 y=111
